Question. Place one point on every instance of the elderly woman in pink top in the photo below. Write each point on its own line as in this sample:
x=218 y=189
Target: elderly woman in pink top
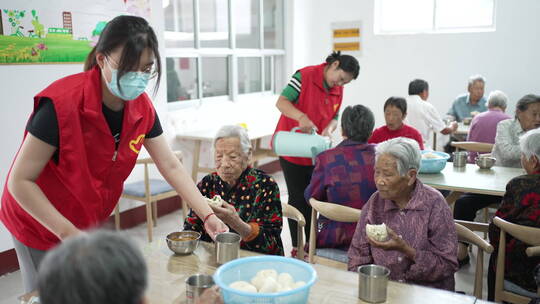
x=422 y=244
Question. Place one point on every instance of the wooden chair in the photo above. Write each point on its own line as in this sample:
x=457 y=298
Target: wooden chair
x=480 y=147
x=329 y=256
x=149 y=191
x=472 y=146
x=528 y=235
x=465 y=234
x=293 y=213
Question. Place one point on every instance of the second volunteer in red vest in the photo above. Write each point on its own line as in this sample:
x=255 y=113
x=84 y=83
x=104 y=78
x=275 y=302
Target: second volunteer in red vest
x=311 y=100
x=81 y=143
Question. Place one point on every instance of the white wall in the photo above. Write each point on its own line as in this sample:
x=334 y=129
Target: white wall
x=508 y=57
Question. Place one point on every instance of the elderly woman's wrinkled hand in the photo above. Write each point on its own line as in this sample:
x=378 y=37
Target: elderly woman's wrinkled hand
x=227 y=213
x=394 y=242
x=210 y=296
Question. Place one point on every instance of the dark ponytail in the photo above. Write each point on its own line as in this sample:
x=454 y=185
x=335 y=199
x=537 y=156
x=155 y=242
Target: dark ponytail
x=347 y=63
x=135 y=35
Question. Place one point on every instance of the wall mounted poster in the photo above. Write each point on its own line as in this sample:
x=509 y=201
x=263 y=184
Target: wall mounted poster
x=346 y=37
x=57 y=31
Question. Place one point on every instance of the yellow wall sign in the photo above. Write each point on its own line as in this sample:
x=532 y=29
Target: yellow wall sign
x=342 y=33
x=347 y=46
x=346 y=37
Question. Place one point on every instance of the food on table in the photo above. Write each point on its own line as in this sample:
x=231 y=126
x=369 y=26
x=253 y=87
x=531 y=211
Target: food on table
x=431 y=155
x=216 y=201
x=377 y=232
x=268 y=281
x=183 y=238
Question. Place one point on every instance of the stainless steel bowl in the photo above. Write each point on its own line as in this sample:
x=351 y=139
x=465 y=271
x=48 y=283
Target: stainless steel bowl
x=183 y=242
x=485 y=162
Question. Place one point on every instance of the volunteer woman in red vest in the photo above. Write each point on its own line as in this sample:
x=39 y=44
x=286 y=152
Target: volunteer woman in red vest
x=311 y=100
x=81 y=143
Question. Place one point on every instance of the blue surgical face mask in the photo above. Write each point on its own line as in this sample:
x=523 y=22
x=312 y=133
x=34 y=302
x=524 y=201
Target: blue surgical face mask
x=133 y=84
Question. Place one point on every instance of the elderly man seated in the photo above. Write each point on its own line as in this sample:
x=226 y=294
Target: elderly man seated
x=252 y=206
x=520 y=205
x=506 y=149
x=344 y=175
x=421 y=246
x=465 y=105
x=98 y=267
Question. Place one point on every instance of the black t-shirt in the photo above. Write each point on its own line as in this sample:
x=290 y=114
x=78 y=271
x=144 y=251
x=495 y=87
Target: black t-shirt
x=44 y=124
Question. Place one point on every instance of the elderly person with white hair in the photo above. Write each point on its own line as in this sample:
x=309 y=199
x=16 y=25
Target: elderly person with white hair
x=474 y=101
x=422 y=243
x=520 y=205
x=251 y=202
x=484 y=125
x=506 y=149
x=98 y=267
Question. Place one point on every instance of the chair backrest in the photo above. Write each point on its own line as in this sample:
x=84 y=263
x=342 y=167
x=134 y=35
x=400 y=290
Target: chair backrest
x=334 y=212
x=291 y=212
x=528 y=235
x=468 y=236
x=473 y=146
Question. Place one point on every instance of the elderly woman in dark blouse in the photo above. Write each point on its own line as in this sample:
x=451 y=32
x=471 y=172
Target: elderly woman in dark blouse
x=253 y=205
x=422 y=244
x=344 y=175
x=520 y=205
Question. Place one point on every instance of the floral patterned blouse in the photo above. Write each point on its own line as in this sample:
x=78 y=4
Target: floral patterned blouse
x=520 y=205
x=256 y=199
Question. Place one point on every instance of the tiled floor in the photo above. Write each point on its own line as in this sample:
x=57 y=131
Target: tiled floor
x=11 y=284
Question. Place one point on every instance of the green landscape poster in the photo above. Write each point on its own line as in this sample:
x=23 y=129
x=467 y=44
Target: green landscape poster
x=57 y=31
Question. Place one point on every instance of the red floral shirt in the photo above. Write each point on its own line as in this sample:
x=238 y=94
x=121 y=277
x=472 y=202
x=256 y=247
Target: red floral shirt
x=256 y=199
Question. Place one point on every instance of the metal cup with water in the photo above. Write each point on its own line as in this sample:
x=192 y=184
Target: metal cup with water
x=372 y=283
x=227 y=247
x=460 y=158
x=196 y=285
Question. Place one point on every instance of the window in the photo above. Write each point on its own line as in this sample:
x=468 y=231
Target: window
x=220 y=49
x=433 y=16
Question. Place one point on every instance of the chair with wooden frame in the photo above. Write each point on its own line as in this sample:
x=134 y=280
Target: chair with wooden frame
x=149 y=191
x=339 y=213
x=480 y=147
x=464 y=230
x=289 y=211
x=528 y=235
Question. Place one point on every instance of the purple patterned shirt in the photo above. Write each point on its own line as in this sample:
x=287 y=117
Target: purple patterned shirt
x=342 y=175
x=426 y=224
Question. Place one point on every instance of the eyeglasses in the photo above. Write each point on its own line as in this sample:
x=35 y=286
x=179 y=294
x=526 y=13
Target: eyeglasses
x=151 y=69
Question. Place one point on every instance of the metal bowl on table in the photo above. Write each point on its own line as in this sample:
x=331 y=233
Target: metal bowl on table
x=183 y=242
x=485 y=162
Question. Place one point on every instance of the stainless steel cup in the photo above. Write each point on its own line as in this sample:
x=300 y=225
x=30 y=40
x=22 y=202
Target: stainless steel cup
x=227 y=247
x=460 y=159
x=196 y=285
x=372 y=283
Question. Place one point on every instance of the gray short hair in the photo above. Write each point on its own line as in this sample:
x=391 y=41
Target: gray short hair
x=93 y=268
x=234 y=131
x=475 y=78
x=497 y=99
x=530 y=144
x=523 y=104
x=357 y=123
x=405 y=150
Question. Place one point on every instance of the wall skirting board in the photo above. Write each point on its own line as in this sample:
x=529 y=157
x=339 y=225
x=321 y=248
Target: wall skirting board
x=128 y=219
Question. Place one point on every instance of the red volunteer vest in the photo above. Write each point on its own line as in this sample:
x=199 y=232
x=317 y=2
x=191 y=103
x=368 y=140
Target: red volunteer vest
x=319 y=104
x=87 y=182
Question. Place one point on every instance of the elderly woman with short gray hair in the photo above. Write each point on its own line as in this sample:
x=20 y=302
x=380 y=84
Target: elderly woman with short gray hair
x=344 y=175
x=520 y=205
x=421 y=247
x=506 y=149
x=251 y=203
